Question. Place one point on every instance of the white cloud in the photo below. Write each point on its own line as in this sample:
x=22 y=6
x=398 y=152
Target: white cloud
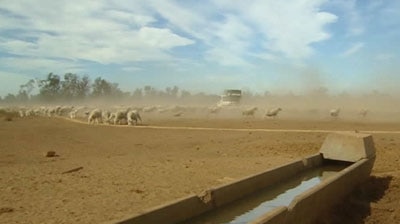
x=129 y=17
x=287 y=28
x=282 y=27
x=353 y=49
x=225 y=57
x=89 y=31
x=267 y=56
x=355 y=21
x=24 y=65
x=120 y=32
x=161 y=38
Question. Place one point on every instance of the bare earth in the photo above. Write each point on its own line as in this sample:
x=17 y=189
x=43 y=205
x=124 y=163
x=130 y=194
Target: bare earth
x=121 y=171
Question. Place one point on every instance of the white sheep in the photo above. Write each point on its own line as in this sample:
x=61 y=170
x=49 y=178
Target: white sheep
x=334 y=112
x=133 y=116
x=119 y=116
x=363 y=112
x=249 y=112
x=95 y=115
x=215 y=109
x=106 y=115
x=273 y=112
x=21 y=113
x=72 y=114
x=150 y=109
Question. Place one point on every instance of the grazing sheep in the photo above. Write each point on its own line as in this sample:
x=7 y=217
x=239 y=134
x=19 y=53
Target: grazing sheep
x=215 y=109
x=95 y=115
x=133 y=116
x=273 y=112
x=178 y=114
x=119 y=116
x=106 y=116
x=363 y=112
x=72 y=114
x=21 y=113
x=29 y=112
x=334 y=112
x=249 y=112
x=149 y=109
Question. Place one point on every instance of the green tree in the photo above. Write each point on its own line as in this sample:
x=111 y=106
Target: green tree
x=138 y=93
x=69 y=86
x=174 y=92
x=185 y=94
x=103 y=88
x=74 y=87
x=83 y=87
x=150 y=91
x=10 y=98
x=50 y=88
x=25 y=91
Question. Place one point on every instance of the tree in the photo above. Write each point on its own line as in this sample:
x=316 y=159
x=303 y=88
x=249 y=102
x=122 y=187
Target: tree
x=103 y=88
x=74 y=87
x=83 y=88
x=137 y=94
x=49 y=88
x=174 y=92
x=185 y=94
x=149 y=91
x=25 y=91
x=69 y=86
x=27 y=87
x=10 y=98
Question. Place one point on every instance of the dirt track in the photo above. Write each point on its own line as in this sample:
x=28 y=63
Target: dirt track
x=128 y=170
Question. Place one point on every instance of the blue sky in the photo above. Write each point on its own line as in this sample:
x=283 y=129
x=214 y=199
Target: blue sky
x=259 y=45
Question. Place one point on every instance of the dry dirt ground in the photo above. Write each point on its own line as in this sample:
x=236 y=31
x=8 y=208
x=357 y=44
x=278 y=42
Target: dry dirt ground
x=123 y=171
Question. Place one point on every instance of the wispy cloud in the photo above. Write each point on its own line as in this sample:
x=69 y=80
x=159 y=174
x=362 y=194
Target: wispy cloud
x=353 y=49
x=92 y=31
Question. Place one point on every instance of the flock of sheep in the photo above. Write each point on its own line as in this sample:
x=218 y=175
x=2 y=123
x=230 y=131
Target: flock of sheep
x=132 y=115
x=100 y=116
x=93 y=115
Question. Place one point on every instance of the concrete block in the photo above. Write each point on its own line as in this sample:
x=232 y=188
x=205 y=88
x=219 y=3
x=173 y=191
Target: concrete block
x=348 y=146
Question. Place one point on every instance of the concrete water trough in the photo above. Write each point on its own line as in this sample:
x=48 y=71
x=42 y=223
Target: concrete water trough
x=297 y=192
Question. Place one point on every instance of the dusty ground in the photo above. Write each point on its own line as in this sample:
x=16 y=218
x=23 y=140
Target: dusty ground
x=128 y=170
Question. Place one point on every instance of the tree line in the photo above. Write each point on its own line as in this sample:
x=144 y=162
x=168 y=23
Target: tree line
x=72 y=87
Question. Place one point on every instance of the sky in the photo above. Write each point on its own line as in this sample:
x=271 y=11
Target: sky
x=205 y=46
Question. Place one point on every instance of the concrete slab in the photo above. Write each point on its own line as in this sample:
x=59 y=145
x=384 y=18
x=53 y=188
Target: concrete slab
x=348 y=146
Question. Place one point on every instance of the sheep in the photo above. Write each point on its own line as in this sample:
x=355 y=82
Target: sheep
x=106 y=116
x=273 y=112
x=363 y=113
x=119 y=116
x=178 y=114
x=21 y=113
x=72 y=114
x=249 y=112
x=95 y=115
x=52 y=111
x=149 y=109
x=133 y=116
x=29 y=112
x=334 y=112
x=215 y=109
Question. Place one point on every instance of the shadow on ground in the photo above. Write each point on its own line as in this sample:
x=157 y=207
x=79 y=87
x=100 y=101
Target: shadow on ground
x=357 y=206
